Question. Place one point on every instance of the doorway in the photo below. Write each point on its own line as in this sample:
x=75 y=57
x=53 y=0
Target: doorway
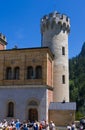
x=32 y=114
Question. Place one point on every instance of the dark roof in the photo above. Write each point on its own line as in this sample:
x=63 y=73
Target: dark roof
x=16 y=48
x=62 y=106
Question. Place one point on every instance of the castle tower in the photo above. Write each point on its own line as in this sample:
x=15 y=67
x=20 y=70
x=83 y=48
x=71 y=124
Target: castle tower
x=54 y=30
x=3 y=42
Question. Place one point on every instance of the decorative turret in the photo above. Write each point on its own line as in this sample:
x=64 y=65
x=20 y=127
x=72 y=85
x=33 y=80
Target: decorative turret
x=3 y=42
x=55 y=28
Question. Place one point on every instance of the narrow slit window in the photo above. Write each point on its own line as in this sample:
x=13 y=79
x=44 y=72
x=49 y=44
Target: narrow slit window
x=63 y=79
x=63 y=50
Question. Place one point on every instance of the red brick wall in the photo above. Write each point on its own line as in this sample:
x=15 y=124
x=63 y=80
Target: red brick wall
x=50 y=96
x=49 y=72
x=1 y=47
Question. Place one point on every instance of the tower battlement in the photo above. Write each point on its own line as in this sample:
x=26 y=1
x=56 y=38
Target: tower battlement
x=55 y=19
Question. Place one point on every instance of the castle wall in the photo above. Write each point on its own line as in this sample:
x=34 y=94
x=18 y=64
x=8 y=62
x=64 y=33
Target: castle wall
x=62 y=117
x=49 y=71
x=62 y=113
x=1 y=47
x=50 y=97
x=20 y=96
x=50 y=87
x=22 y=59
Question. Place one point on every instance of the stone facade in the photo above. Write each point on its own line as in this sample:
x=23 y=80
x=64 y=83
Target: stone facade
x=62 y=118
x=62 y=113
x=21 y=96
x=24 y=58
x=32 y=78
x=24 y=90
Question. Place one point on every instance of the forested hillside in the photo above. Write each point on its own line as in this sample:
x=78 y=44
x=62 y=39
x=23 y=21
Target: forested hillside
x=77 y=80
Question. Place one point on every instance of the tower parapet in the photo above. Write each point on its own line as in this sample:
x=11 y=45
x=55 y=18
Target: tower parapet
x=57 y=19
x=3 y=42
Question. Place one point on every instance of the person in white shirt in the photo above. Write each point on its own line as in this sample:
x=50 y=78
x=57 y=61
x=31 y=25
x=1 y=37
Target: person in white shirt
x=52 y=125
x=68 y=127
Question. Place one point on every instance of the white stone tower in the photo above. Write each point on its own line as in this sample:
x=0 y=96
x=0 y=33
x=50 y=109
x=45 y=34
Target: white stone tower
x=54 y=30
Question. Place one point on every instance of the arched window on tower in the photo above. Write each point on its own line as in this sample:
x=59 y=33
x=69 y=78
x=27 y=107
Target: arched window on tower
x=30 y=72
x=9 y=73
x=38 y=72
x=10 y=109
x=16 y=72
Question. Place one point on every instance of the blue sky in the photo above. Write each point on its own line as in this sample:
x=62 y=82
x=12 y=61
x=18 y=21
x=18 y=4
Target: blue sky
x=20 y=21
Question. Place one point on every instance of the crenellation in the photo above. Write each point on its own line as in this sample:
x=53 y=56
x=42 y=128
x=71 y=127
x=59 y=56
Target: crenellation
x=64 y=16
x=55 y=19
x=51 y=14
x=58 y=15
x=45 y=17
x=68 y=28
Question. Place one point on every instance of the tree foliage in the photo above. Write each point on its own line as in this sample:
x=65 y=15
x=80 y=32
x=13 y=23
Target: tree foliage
x=77 y=80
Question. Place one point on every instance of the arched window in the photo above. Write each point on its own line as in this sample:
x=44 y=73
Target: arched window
x=16 y=73
x=30 y=72
x=10 y=109
x=9 y=73
x=38 y=72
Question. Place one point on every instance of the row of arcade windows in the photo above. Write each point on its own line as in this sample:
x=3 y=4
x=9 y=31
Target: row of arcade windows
x=31 y=73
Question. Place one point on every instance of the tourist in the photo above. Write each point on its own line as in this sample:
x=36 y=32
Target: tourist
x=17 y=124
x=35 y=125
x=51 y=126
x=73 y=126
x=81 y=127
x=68 y=127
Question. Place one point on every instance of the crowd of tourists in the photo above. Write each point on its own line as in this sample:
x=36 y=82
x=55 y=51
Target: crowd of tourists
x=26 y=125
